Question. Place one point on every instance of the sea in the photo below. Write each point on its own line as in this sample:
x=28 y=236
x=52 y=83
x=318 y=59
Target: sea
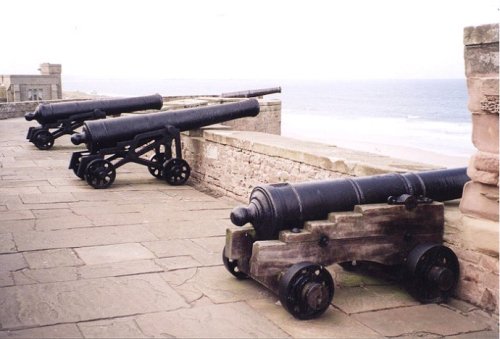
x=399 y=118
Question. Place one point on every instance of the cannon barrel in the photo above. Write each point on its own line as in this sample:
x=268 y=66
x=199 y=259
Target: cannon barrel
x=51 y=113
x=99 y=134
x=252 y=93
x=276 y=207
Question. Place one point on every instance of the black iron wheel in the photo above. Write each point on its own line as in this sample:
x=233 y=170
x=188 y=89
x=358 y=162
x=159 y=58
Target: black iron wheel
x=159 y=159
x=232 y=266
x=43 y=139
x=432 y=272
x=176 y=171
x=306 y=290
x=100 y=173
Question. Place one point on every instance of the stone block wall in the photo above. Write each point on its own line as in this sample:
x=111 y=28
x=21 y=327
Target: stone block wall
x=481 y=69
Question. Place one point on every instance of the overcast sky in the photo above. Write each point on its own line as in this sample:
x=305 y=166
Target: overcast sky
x=232 y=39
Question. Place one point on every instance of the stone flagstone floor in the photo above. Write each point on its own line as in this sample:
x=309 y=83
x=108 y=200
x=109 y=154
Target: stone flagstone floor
x=143 y=259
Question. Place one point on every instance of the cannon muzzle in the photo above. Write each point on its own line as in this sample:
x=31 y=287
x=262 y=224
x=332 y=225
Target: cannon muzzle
x=78 y=138
x=30 y=116
x=277 y=207
x=99 y=134
x=52 y=113
x=252 y=93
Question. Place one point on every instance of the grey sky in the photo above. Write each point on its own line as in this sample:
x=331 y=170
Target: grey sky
x=241 y=39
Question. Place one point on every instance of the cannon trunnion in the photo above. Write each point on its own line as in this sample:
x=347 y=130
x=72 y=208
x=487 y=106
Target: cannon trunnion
x=115 y=142
x=290 y=233
x=64 y=117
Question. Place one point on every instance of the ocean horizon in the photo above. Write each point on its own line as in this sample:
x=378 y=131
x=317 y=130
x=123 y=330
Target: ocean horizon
x=372 y=115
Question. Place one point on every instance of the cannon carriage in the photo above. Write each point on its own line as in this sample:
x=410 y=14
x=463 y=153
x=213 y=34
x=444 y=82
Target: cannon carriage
x=113 y=143
x=62 y=118
x=289 y=234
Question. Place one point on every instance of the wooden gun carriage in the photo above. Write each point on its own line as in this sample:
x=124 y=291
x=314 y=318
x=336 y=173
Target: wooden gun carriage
x=288 y=245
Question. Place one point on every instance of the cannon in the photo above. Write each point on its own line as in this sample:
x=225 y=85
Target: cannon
x=289 y=233
x=113 y=143
x=65 y=117
x=252 y=93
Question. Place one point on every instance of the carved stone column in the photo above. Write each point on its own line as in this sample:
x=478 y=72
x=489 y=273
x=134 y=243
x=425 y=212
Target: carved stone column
x=480 y=198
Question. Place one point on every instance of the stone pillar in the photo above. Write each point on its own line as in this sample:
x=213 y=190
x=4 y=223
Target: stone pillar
x=54 y=71
x=480 y=198
x=474 y=233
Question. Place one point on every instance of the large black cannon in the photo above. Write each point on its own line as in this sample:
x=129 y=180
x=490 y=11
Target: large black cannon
x=113 y=143
x=387 y=221
x=252 y=93
x=276 y=207
x=65 y=117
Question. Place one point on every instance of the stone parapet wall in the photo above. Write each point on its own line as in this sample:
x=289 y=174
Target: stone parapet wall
x=481 y=69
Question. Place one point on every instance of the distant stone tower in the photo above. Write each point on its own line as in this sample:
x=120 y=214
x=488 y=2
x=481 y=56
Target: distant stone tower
x=46 y=86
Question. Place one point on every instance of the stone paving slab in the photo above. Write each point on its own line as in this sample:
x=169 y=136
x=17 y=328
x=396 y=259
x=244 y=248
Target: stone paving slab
x=7 y=244
x=419 y=320
x=370 y=298
x=332 y=324
x=80 y=237
x=114 y=328
x=234 y=320
x=66 y=302
x=12 y=262
x=56 y=331
x=52 y=258
x=143 y=259
x=113 y=253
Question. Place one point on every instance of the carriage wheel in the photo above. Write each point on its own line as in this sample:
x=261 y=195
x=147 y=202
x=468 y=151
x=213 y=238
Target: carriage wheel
x=176 y=171
x=159 y=158
x=433 y=272
x=100 y=173
x=43 y=139
x=306 y=290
